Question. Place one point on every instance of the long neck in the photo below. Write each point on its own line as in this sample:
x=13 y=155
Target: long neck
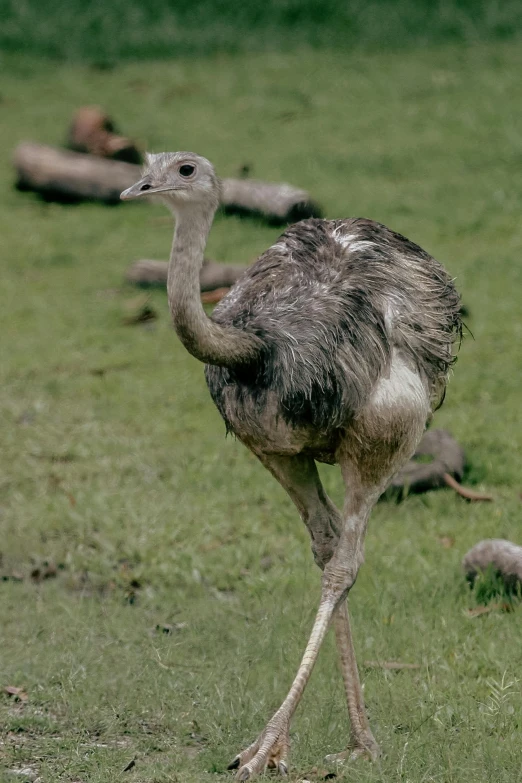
x=208 y=341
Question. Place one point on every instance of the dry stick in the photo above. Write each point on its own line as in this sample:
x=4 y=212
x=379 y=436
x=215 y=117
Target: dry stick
x=469 y=494
x=212 y=297
x=392 y=665
x=479 y=611
x=62 y=174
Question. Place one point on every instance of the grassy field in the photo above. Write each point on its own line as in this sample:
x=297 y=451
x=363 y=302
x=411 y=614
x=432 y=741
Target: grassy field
x=103 y=33
x=185 y=588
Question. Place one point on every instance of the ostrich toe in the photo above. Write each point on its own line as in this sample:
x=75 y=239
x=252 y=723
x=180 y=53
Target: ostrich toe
x=270 y=750
x=364 y=746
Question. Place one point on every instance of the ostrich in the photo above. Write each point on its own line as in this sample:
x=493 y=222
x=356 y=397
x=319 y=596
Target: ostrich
x=334 y=346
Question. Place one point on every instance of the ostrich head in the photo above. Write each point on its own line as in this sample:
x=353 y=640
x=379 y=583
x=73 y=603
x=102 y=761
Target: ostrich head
x=177 y=179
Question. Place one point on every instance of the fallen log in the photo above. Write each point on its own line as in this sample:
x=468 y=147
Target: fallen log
x=276 y=203
x=504 y=557
x=214 y=275
x=419 y=475
x=147 y=273
x=63 y=175
x=444 y=468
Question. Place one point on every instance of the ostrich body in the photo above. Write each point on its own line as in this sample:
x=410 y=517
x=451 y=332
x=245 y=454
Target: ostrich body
x=335 y=346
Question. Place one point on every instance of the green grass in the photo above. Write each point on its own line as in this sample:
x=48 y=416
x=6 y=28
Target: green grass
x=114 y=463
x=103 y=33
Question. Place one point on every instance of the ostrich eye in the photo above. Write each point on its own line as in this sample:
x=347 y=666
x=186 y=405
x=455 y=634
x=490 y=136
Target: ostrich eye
x=187 y=170
x=145 y=187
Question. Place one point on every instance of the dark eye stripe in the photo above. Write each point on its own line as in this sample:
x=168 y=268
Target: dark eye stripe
x=186 y=170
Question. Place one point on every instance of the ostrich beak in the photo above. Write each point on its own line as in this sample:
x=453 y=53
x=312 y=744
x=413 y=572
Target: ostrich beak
x=141 y=188
x=144 y=188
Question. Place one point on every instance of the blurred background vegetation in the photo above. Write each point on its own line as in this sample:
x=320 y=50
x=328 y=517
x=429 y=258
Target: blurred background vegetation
x=100 y=31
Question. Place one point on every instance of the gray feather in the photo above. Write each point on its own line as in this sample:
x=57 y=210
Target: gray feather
x=331 y=300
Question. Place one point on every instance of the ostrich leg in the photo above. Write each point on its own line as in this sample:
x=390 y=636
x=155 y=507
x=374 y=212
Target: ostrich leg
x=324 y=522
x=366 y=466
x=362 y=741
x=272 y=745
x=337 y=548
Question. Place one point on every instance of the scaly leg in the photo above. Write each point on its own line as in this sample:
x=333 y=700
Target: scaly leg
x=337 y=547
x=362 y=741
x=298 y=475
x=271 y=747
x=367 y=464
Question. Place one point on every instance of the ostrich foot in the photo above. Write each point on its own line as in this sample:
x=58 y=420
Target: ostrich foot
x=269 y=750
x=364 y=746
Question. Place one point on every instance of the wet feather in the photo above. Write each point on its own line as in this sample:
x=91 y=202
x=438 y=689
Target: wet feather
x=331 y=300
